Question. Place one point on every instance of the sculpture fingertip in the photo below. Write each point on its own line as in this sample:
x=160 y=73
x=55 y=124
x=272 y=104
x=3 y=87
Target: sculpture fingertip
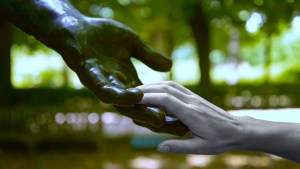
x=137 y=93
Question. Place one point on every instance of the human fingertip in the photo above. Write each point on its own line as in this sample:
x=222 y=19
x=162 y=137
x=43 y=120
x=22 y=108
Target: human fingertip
x=142 y=88
x=139 y=87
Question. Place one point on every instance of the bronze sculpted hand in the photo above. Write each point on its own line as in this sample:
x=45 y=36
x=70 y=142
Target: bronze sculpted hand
x=105 y=49
x=107 y=70
x=99 y=51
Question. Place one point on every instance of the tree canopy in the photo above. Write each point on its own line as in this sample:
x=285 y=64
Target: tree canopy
x=220 y=30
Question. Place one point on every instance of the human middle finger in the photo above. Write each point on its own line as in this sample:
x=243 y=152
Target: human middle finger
x=163 y=88
x=171 y=84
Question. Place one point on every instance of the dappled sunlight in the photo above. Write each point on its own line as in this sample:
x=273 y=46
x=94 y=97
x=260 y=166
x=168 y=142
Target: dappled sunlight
x=28 y=68
x=186 y=72
x=231 y=73
x=198 y=160
x=254 y=22
x=73 y=80
x=148 y=75
x=296 y=26
x=145 y=162
x=185 y=68
x=41 y=69
x=243 y=160
x=248 y=50
x=101 y=11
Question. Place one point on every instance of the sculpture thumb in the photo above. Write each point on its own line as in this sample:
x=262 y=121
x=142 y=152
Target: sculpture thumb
x=151 y=58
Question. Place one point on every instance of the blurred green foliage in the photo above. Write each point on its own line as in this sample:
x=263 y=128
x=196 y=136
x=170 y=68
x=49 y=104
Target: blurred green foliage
x=251 y=42
x=166 y=26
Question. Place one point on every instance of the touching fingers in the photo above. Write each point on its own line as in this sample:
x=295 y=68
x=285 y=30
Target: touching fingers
x=171 y=104
x=163 y=88
x=174 y=127
x=118 y=96
x=106 y=86
x=171 y=84
x=149 y=57
x=154 y=117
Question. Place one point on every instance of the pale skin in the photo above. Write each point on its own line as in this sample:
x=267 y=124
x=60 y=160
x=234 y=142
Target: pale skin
x=214 y=131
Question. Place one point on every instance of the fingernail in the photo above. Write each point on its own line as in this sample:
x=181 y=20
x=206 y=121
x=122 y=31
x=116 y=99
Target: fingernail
x=164 y=149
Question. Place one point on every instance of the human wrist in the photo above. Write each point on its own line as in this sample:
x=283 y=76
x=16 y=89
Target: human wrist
x=246 y=133
x=240 y=132
x=257 y=134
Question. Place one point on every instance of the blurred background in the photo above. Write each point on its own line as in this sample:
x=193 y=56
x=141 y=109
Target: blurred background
x=236 y=54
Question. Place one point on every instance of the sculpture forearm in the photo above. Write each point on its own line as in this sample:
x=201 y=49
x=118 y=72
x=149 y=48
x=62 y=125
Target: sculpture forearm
x=36 y=17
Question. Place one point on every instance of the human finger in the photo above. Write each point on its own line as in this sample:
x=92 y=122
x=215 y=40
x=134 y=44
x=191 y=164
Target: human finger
x=172 y=84
x=149 y=57
x=163 y=88
x=170 y=127
x=171 y=104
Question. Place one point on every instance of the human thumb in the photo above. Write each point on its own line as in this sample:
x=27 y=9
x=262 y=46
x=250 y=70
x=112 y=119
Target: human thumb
x=188 y=146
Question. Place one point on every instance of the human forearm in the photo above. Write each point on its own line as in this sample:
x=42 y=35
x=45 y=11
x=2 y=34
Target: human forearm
x=278 y=138
x=214 y=131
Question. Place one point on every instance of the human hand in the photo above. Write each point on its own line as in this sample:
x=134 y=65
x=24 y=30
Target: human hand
x=213 y=130
x=102 y=62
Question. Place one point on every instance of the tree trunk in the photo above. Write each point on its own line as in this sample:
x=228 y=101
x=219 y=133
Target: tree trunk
x=267 y=88
x=268 y=58
x=163 y=42
x=201 y=33
x=5 y=63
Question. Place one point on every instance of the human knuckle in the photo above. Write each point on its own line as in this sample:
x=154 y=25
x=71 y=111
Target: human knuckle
x=165 y=87
x=166 y=97
x=189 y=106
x=170 y=83
x=192 y=97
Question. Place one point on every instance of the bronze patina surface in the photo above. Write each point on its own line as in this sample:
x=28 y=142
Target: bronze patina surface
x=99 y=51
